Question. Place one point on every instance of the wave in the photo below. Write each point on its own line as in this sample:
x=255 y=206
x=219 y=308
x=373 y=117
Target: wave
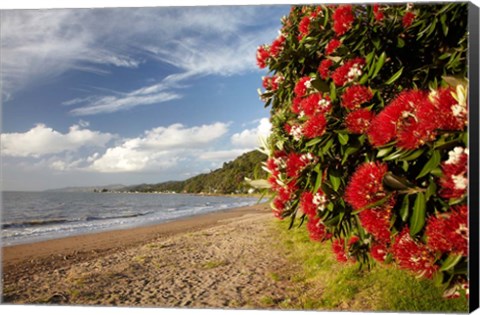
x=43 y=222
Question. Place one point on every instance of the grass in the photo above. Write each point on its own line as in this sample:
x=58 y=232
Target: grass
x=324 y=284
x=214 y=264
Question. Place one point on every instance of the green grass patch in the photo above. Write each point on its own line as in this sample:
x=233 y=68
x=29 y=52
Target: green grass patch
x=322 y=283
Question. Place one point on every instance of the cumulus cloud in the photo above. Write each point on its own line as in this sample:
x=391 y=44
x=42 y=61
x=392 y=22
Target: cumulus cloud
x=42 y=140
x=249 y=138
x=157 y=149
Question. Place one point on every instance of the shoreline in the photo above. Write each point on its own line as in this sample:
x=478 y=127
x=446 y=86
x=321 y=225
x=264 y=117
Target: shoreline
x=102 y=241
x=216 y=260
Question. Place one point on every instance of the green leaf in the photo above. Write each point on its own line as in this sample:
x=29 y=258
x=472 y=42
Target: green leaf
x=437 y=172
x=415 y=154
x=318 y=181
x=431 y=190
x=417 y=220
x=349 y=151
x=450 y=262
x=335 y=180
x=327 y=145
x=343 y=138
x=333 y=92
x=369 y=57
x=313 y=142
x=431 y=164
x=363 y=79
x=396 y=182
x=320 y=85
x=394 y=77
x=438 y=279
x=400 y=42
x=384 y=151
x=379 y=64
x=404 y=208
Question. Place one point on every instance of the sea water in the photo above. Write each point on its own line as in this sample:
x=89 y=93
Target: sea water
x=34 y=216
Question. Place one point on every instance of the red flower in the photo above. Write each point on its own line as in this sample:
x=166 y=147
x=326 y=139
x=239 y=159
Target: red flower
x=408 y=19
x=324 y=68
x=314 y=104
x=365 y=186
x=453 y=115
x=358 y=121
x=356 y=95
x=284 y=196
x=332 y=46
x=377 y=13
x=449 y=232
x=316 y=230
x=303 y=26
x=262 y=56
x=454 y=181
x=379 y=252
x=339 y=250
x=310 y=203
x=302 y=86
x=271 y=83
x=296 y=105
x=277 y=46
x=410 y=118
x=342 y=19
x=315 y=126
x=348 y=72
x=295 y=164
x=377 y=223
x=412 y=255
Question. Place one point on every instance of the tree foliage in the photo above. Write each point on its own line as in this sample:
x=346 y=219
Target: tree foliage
x=369 y=142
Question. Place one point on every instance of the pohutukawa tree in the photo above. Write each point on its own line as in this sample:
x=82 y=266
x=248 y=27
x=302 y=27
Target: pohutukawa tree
x=369 y=139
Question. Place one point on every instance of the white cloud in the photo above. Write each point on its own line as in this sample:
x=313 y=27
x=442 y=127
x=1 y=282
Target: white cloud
x=222 y=155
x=158 y=148
x=42 y=140
x=197 y=41
x=249 y=138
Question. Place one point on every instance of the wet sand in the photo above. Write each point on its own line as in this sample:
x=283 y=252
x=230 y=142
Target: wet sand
x=216 y=260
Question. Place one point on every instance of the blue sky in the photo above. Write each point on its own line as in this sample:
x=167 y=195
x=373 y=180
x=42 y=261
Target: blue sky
x=104 y=96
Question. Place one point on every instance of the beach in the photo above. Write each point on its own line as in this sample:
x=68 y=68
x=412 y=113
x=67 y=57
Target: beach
x=223 y=259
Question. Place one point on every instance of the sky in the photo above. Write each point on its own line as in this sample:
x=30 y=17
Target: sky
x=129 y=95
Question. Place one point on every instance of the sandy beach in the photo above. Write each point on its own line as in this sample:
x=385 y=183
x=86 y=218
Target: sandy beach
x=216 y=260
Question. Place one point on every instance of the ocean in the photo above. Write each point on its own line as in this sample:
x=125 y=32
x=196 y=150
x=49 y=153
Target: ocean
x=29 y=217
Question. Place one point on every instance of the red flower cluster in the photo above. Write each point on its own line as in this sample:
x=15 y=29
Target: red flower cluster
x=358 y=121
x=316 y=230
x=407 y=19
x=410 y=118
x=377 y=223
x=348 y=72
x=379 y=16
x=454 y=181
x=332 y=46
x=449 y=232
x=379 y=252
x=355 y=95
x=312 y=105
x=284 y=196
x=324 y=68
x=342 y=253
x=412 y=255
x=277 y=46
x=302 y=86
x=262 y=56
x=304 y=26
x=310 y=203
x=271 y=83
x=297 y=162
x=365 y=186
x=452 y=114
x=342 y=19
x=315 y=126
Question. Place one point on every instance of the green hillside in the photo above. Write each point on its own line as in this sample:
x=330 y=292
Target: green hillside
x=226 y=180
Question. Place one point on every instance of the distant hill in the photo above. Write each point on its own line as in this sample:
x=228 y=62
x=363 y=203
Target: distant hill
x=226 y=180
